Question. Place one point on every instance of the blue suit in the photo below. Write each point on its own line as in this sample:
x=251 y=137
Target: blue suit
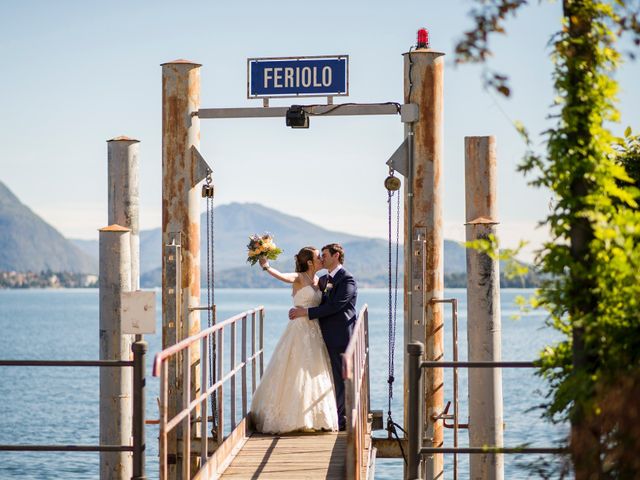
x=337 y=315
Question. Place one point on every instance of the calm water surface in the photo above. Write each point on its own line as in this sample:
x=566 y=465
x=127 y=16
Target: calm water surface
x=60 y=405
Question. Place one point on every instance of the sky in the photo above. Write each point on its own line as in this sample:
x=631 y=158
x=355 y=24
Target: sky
x=76 y=74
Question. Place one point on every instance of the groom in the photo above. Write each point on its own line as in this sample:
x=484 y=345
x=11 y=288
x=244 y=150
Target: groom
x=336 y=315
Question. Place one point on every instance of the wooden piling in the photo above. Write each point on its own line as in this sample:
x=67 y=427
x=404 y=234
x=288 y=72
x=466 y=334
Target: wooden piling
x=115 y=383
x=124 y=195
x=423 y=236
x=181 y=213
x=484 y=328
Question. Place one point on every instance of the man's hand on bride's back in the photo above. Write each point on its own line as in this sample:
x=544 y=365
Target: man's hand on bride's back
x=296 y=312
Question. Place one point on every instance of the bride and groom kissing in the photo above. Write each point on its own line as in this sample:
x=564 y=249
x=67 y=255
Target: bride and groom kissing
x=302 y=387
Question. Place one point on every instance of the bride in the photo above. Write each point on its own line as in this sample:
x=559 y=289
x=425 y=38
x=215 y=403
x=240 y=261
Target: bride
x=296 y=391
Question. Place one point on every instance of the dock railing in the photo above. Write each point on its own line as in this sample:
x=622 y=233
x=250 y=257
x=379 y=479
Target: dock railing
x=355 y=373
x=138 y=446
x=415 y=428
x=212 y=465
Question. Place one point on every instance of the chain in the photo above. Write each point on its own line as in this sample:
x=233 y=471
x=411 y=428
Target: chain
x=393 y=288
x=392 y=427
x=392 y=333
x=207 y=192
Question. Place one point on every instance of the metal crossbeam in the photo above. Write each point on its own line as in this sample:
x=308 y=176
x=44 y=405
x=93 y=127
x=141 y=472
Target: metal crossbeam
x=500 y=450
x=66 y=448
x=480 y=364
x=66 y=363
x=313 y=110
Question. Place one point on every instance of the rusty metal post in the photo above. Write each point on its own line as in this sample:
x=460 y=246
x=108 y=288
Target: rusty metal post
x=139 y=399
x=423 y=236
x=115 y=383
x=414 y=428
x=181 y=213
x=123 y=197
x=483 y=309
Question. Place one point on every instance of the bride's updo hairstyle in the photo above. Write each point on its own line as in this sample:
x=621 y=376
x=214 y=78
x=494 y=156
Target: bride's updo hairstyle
x=304 y=255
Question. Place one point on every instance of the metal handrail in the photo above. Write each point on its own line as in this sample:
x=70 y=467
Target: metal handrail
x=415 y=428
x=66 y=363
x=138 y=418
x=160 y=369
x=355 y=373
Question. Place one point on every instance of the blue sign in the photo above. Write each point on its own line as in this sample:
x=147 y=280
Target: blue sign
x=298 y=77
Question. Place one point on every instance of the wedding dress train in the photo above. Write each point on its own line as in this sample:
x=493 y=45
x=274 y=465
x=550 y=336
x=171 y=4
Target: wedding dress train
x=296 y=391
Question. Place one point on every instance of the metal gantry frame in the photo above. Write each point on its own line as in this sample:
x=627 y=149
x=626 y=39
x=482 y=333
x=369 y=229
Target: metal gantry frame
x=422 y=114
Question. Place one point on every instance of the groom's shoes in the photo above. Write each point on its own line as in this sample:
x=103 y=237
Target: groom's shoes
x=342 y=428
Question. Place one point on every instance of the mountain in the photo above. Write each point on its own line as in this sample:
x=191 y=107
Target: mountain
x=233 y=224
x=365 y=257
x=28 y=243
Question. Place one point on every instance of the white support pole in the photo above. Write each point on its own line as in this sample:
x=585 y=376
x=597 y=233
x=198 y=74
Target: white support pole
x=483 y=309
x=124 y=195
x=115 y=383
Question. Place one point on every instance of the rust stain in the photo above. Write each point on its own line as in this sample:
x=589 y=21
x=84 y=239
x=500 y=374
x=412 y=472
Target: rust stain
x=194 y=248
x=427 y=212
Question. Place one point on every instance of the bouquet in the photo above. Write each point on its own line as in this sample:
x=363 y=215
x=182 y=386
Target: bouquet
x=262 y=246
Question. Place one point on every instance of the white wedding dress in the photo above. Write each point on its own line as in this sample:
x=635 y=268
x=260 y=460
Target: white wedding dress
x=296 y=391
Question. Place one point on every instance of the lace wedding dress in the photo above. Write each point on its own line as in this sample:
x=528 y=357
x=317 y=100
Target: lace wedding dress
x=296 y=390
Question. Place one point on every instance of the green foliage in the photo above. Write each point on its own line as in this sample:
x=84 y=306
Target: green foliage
x=592 y=288
x=593 y=256
x=490 y=246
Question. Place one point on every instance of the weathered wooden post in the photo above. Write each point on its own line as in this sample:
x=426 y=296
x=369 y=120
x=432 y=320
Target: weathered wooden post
x=483 y=309
x=124 y=195
x=115 y=383
x=423 y=237
x=181 y=225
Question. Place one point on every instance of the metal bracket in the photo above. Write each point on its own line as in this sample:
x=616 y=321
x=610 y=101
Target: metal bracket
x=201 y=169
x=172 y=253
x=399 y=161
x=173 y=238
x=418 y=258
x=445 y=415
x=409 y=113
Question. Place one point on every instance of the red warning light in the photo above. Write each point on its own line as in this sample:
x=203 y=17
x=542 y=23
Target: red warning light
x=423 y=38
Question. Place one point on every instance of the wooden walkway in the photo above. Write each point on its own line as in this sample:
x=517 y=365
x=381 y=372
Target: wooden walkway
x=244 y=454
x=291 y=456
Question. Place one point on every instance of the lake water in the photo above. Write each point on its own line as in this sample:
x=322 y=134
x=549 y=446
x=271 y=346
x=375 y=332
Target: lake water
x=60 y=405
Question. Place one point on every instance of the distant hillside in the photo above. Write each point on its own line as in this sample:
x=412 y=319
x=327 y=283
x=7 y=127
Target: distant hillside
x=367 y=258
x=234 y=223
x=28 y=243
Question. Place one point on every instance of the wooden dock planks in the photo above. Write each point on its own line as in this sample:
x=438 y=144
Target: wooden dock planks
x=291 y=456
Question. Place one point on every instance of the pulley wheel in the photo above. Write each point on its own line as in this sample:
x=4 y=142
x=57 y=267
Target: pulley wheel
x=392 y=183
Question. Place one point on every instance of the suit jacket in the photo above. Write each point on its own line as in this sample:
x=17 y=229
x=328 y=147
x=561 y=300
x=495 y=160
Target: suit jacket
x=336 y=313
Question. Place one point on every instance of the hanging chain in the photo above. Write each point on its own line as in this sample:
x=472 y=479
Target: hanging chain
x=208 y=193
x=392 y=184
x=392 y=330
